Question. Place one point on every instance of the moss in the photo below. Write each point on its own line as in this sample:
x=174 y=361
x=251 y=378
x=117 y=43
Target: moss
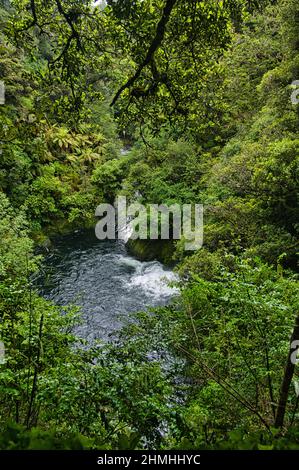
x=149 y=250
x=41 y=240
x=61 y=227
x=64 y=227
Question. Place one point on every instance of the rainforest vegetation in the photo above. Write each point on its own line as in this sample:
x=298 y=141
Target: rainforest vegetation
x=201 y=92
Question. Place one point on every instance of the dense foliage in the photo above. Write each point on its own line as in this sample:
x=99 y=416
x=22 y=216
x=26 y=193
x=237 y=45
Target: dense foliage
x=201 y=92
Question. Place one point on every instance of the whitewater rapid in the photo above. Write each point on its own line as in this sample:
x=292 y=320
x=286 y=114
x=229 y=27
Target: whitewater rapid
x=105 y=281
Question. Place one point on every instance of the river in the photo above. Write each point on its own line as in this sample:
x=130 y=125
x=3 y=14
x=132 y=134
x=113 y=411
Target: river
x=103 y=279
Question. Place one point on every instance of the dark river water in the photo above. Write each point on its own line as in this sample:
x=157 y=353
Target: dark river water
x=103 y=279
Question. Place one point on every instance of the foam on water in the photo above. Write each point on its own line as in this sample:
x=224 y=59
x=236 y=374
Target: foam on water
x=155 y=280
x=151 y=277
x=103 y=279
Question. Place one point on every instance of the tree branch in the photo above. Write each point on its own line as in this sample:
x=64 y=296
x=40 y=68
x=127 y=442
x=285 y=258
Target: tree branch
x=75 y=34
x=33 y=9
x=159 y=36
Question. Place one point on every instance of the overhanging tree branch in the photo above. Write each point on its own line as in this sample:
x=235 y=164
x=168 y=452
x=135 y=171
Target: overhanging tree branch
x=74 y=33
x=34 y=21
x=159 y=36
x=33 y=9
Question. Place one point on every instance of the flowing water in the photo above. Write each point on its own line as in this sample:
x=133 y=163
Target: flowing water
x=103 y=279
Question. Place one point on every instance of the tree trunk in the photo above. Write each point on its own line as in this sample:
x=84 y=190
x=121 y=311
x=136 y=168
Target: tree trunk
x=287 y=379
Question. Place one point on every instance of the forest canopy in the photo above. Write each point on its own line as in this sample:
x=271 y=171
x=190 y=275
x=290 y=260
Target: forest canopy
x=203 y=95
